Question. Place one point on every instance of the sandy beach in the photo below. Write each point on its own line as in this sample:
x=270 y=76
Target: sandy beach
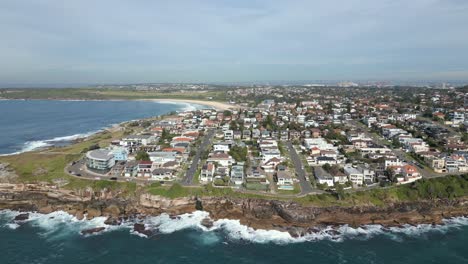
x=216 y=105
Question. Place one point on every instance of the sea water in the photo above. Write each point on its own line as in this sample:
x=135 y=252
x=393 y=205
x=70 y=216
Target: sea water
x=56 y=238
x=30 y=124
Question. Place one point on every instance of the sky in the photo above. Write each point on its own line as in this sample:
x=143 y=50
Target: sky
x=136 y=41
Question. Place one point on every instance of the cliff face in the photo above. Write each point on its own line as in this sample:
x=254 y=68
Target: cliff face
x=257 y=213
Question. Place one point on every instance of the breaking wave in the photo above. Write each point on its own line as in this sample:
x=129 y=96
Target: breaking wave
x=38 y=144
x=185 y=106
x=60 y=225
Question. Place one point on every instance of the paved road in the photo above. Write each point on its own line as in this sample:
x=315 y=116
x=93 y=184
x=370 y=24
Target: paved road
x=306 y=188
x=207 y=139
x=78 y=169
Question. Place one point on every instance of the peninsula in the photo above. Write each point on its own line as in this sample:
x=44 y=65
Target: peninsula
x=293 y=159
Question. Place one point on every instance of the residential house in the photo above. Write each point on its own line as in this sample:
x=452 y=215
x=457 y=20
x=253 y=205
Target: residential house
x=323 y=177
x=355 y=176
x=285 y=180
x=207 y=172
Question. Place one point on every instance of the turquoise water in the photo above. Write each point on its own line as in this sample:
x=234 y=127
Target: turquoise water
x=55 y=238
x=26 y=125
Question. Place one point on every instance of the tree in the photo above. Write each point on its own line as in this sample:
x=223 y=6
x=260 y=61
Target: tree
x=326 y=167
x=142 y=155
x=339 y=191
x=268 y=122
x=238 y=153
x=233 y=125
x=146 y=124
x=164 y=134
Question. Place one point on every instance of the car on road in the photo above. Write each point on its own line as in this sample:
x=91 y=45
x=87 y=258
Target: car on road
x=113 y=178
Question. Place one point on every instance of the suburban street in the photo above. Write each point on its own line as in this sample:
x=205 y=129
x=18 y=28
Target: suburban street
x=306 y=188
x=207 y=139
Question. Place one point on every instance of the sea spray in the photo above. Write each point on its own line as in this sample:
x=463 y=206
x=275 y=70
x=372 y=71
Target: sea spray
x=60 y=225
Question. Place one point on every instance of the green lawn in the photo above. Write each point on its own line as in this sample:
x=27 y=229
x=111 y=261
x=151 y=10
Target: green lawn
x=102 y=94
x=49 y=165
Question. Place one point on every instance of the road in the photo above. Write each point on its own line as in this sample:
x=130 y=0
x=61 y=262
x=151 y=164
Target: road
x=207 y=139
x=78 y=169
x=306 y=188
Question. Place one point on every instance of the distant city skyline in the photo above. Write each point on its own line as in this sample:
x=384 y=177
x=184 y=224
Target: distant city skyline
x=77 y=43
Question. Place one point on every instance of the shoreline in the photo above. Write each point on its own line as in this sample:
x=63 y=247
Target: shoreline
x=148 y=226
x=48 y=143
x=293 y=220
x=214 y=104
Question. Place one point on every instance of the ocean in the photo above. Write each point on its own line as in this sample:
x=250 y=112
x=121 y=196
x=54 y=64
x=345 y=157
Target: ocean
x=26 y=125
x=55 y=238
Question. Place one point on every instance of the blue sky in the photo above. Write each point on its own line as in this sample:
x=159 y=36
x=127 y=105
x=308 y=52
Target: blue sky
x=115 y=41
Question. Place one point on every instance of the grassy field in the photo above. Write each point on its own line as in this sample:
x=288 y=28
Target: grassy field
x=101 y=94
x=448 y=187
x=177 y=190
x=49 y=165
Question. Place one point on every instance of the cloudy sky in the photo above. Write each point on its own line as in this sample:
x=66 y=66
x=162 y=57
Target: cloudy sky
x=118 y=41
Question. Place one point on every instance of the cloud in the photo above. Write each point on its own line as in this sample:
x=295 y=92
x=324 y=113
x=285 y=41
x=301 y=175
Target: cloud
x=141 y=40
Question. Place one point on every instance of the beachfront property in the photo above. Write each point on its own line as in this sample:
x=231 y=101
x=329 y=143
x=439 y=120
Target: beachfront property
x=323 y=177
x=207 y=172
x=354 y=175
x=101 y=160
x=138 y=140
x=237 y=174
x=284 y=180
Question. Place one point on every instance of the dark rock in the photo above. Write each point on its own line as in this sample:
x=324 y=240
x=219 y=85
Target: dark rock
x=296 y=232
x=113 y=221
x=140 y=228
x=207 y=222
x=92 y=230
x=198 y=205
x=333 y=232
x=22 y=217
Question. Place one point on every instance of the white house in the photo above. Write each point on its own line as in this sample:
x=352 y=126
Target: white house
x=223 y=159
x=323 y=177
x=285 y=180
x=355 y=176
x=228 y=135
x=207 y=172
x=221 y=146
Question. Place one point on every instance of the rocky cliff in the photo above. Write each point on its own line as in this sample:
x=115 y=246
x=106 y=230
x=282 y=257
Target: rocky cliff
x=257 y=213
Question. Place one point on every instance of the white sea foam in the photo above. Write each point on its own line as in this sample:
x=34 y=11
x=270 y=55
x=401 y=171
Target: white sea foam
x=60 y=225
x=37 y=144
x=185 y=106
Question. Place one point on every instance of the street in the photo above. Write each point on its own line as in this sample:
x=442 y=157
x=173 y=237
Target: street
x=196 y=159
x=306 y=188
